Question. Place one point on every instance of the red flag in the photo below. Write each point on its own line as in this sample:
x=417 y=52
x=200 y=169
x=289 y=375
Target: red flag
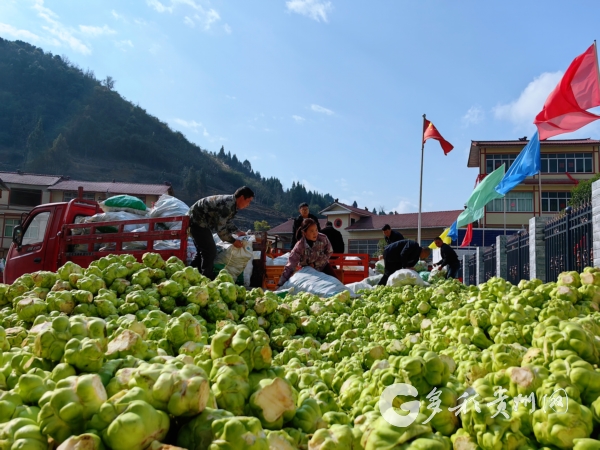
x=468 y=236
x=431 y=132
x=579 y=89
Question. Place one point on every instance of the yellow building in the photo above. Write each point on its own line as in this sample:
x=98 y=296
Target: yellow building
x=564 y=163
x=20 y=192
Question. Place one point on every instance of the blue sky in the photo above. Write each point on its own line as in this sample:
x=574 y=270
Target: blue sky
x=329 y=93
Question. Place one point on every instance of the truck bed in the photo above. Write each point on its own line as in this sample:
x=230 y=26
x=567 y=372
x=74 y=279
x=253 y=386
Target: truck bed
x=84 y=243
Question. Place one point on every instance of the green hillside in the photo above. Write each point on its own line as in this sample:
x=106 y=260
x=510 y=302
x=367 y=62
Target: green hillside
x=56 y=118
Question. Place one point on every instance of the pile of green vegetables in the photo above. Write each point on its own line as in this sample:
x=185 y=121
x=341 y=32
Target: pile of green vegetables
x=152 y=355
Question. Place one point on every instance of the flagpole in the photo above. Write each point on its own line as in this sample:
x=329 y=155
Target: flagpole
x=540 y=185
x=421 y=183
x=504 y=207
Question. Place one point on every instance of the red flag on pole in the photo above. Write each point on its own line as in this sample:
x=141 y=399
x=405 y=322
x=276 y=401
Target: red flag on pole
x=431 y=132
x=468 y=236
x=579 y=90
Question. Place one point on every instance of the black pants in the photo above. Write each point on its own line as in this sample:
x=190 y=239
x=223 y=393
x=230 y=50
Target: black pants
x=206 y=251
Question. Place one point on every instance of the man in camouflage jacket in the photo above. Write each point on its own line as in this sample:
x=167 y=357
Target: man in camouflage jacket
x=214 y=214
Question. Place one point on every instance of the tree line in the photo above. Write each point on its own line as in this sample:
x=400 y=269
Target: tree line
x=57 y=118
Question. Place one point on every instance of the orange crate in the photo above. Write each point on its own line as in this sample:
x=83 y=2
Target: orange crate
x=272 y=275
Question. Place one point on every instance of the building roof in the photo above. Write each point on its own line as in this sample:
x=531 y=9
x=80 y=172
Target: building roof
x=287 y=227
x=112 y=187
x=361 y=212
x=29 y=178
x=477 y=145
x=434 y=219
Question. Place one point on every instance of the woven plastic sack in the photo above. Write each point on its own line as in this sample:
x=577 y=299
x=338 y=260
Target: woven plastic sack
x=404 y=277
x=380 y=266
x=359 y=285
x=279 y=261
x=235 y=259
x=136 y=245
x=437 y=274
x=168 y=206
x=127 y=203
x=421 y=266
x=312 y=281
x=424 y=275
x=115 y=216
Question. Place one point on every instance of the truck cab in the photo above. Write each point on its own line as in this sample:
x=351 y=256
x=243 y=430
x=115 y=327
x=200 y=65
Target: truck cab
x=36 y=240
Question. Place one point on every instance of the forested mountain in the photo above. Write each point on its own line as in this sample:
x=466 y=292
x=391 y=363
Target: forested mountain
x=56 y=118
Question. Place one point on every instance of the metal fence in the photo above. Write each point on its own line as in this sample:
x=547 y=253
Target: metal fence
x=517 y=257
x=472 y=263
x=568 y=241
x=489 y=263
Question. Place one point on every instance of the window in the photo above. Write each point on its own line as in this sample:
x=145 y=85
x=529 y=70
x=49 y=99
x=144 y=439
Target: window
x=567 y=162
x=492 y=162
x=70 y=195
x=36 y=229
x=25 y=197
x=515 y=202
x=9 y=225
x=368 y=246
x=555 y=201
x=337 y=223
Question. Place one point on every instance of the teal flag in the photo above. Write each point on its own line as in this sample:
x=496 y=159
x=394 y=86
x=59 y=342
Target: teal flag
x=468 y=216
x=485 y=191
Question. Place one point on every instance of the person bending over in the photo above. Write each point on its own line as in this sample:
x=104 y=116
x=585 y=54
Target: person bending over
x=449 y=258
x=214 y=214
x=402 y=254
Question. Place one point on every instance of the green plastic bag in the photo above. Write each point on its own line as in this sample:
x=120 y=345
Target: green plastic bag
x=127 y=203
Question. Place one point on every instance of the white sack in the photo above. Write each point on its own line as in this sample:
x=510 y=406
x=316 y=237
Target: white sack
x=312 y=281
x=168 y=206
x=354 y=287
x=405 y=277
x=235 y=259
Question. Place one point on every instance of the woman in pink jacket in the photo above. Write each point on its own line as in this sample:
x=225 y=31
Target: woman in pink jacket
x=312 y=249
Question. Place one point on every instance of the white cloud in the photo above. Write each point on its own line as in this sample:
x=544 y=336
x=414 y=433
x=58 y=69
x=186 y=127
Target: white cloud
x=205 y=16
x=227 y=28
x=197 y=127
x=230 y=97
x=124 y=45
x=342 y=182
x=473 y=116
x=406 y=206
x=117 y=16
x=158 y=6
x=96 y=31
x=140 y=22
x=6 y=29
x=321 y=109
x=523 y=110
x=314 y=9
x=192 y=124
x=298 y=119
x=61 y=32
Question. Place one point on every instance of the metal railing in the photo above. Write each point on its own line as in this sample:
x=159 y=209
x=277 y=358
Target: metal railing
x=568 y=241
x=472 y=264
x=517 y=257
x=489 y=263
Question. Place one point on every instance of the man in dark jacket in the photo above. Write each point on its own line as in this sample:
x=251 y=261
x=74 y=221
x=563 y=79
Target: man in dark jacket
x=304 y=214
x=402 y=254
x=215 y=214
x=335 y=237
x=391 y=236
x=449 y=258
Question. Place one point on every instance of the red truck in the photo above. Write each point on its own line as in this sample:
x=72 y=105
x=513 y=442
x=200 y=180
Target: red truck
x=49 y=236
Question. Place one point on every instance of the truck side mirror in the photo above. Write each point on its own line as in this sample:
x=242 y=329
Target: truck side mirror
x=17 y=237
